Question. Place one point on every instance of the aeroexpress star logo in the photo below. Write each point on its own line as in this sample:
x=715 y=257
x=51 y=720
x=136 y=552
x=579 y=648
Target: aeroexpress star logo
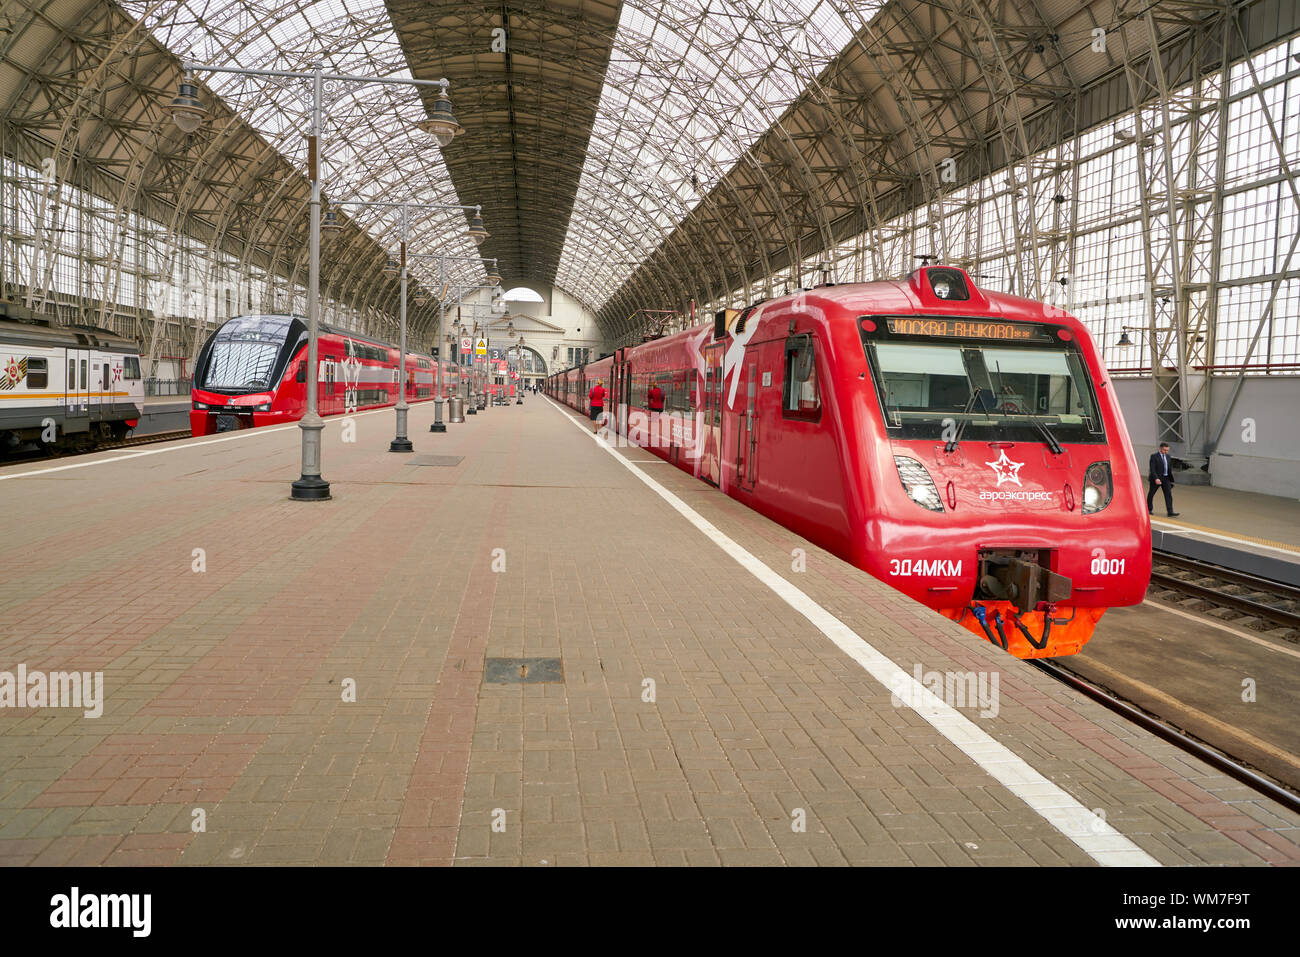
x=1005 y=469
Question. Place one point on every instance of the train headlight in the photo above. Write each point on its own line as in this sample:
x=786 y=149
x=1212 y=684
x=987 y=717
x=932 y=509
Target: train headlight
x=264 y=407
x=947 y=283
x=917 y=483
x=201 y=406
x=1098 y=488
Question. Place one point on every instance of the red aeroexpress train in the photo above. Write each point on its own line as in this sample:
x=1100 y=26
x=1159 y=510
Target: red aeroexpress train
x=252 y=371
x=963 y=446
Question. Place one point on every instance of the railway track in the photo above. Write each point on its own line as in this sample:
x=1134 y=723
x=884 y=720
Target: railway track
x=1234 y=597
x=1170 y=732
x=1227 y=595
x=131 y=441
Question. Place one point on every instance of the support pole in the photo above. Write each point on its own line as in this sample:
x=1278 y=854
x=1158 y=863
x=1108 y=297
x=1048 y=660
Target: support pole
x=401 y=443
x=310 y=487
x=438 y=425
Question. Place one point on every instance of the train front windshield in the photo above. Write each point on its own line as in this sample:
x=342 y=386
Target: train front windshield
x=244 y=354
x=935 y=389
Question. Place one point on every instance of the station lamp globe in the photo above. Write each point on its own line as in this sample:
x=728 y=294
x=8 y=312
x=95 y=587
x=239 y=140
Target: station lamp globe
x=187 y=109
x=330 y=225
x=493 y=279
x=442 y=124
x=1124 y=341
x=476 y=231
x=391 y=268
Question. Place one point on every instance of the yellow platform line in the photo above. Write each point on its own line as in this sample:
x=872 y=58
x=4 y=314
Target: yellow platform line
x=1219 y=531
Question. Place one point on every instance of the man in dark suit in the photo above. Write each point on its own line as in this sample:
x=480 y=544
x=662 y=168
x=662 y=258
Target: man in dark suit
x=1161 y=473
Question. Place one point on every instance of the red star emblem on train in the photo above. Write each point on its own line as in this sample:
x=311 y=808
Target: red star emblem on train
x=1006 y=470
x=12 y=372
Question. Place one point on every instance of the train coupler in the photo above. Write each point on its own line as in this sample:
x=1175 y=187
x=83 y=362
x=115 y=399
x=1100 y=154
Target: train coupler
x=1021 y=577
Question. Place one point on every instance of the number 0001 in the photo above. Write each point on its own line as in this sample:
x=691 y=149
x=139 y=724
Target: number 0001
x=1108 y=566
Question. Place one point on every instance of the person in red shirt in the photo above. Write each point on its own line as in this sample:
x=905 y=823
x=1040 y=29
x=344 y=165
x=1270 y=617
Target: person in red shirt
x=655 y=397
x=596 y=397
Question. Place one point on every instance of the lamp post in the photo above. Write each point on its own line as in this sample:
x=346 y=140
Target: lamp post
x=443 y=259
x=187 y=112
x=473 y=366
x=477 y=233
x=519 y=368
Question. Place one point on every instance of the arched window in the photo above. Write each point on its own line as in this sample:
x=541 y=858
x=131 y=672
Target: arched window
x=522 y=294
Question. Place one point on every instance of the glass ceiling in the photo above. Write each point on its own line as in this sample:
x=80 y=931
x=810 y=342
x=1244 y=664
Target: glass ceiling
x=690 y=88
x=371 y=149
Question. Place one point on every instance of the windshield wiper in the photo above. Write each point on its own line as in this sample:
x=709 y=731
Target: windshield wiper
x=1052 y=444
x=951 y=445
x=1038 y=423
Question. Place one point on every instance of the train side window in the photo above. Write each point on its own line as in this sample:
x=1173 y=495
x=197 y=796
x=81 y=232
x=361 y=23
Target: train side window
x=131 y=367
x=72 y=375
x=800 y=398
x=38 y=373
x=84 y=378
x=302 y=371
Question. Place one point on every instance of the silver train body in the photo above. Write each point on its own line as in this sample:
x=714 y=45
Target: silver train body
x=66 y=386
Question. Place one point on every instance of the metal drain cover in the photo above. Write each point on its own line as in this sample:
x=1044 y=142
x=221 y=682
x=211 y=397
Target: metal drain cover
x=444 y=461
x=519 y=671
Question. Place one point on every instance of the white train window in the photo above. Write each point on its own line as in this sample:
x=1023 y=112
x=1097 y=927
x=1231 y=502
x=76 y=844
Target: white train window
x=131 y=367
x=38 y=373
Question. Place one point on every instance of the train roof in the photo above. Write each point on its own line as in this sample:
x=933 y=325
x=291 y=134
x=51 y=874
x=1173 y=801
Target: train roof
x=327 y=329
x=913 y=295
x=42 y=332
x=910 y=296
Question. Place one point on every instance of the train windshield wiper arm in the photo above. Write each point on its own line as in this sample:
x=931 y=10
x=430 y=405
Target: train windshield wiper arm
x=1052 y=444
x=951 y=445
x=1038 y=423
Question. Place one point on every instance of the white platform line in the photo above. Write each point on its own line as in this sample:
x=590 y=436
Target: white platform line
x=1089 y=831
x=241 y=434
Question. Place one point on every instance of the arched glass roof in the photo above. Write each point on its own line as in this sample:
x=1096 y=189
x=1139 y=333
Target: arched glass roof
x=689 y=89
x=372 y=151
x=643 y=153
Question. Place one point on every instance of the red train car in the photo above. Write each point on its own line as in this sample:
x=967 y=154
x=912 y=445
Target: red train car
x=252 y=371
x=961 y=445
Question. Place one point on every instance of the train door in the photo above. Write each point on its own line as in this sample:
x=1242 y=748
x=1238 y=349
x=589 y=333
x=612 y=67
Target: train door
x=747 y=431
x=104 y=373
x=612 y=393
x=710 y=437
x=625 y=393
x=78 y=382
x=327 y=402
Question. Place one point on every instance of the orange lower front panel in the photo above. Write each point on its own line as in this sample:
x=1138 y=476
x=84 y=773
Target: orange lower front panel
x=1071 y=628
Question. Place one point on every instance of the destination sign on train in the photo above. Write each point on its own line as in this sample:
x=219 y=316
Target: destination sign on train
x=966 y=329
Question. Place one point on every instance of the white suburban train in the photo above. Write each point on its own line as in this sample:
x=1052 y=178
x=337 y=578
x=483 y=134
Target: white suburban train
x=67 y=387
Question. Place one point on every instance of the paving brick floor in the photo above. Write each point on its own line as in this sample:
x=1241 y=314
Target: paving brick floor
x=306 y=681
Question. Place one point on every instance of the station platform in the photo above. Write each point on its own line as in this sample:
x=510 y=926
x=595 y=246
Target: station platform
x=163 y=413
x=518 y=646
x=1253 y=533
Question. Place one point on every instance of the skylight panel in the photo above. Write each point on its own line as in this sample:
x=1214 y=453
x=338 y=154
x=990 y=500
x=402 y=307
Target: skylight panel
x=371 y=148
x=722 y=82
